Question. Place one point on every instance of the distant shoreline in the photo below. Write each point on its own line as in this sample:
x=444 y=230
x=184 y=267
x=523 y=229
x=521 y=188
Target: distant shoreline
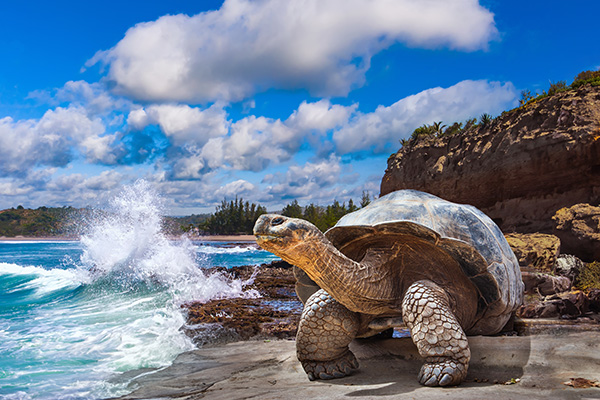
x=208 y=238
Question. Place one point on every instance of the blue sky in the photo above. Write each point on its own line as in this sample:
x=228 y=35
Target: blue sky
x=267 y=100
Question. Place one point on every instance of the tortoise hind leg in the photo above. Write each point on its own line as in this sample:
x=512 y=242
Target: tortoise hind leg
x=437 y=334
x=325 y=330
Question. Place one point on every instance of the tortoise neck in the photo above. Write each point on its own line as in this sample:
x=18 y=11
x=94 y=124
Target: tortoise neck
x=345 y=279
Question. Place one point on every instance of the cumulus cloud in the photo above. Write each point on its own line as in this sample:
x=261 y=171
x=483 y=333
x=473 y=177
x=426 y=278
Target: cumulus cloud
x=205 y=140
x=182 y=123
x=380 y=130
x=247 y=46
x=51 y=140
x=93 y=97
x=238 y=188
x=311 y=180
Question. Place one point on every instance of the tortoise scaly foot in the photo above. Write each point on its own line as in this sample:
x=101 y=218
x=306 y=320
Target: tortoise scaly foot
x=442 y=373
x=325 y=330
x=437 y=334
x=337 y=368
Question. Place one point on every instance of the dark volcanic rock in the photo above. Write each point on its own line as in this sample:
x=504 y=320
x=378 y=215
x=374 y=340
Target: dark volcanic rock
x=274 y=315
x=566 y=305
x=520 y=170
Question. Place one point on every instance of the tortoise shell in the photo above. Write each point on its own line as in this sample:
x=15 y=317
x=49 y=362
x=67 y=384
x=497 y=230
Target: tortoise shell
x=461 y=231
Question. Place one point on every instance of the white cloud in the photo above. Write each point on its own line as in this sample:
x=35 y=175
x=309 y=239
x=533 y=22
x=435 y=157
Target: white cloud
x=107 y=180
x=312 y=180
x=380 y=130
x=50 y=140
x=204 y=140
x=182 y=123
x=320 y=116
x=238 y=188
x=247 y=46
x=11 y=188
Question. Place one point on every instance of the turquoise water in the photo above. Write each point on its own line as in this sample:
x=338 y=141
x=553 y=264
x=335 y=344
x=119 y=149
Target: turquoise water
x=75 y=316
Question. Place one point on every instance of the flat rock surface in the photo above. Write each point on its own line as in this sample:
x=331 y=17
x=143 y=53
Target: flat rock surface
x=540 y=364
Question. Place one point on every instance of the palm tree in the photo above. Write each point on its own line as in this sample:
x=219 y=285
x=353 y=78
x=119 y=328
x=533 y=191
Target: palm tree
x=485 y=119
x=438 y=128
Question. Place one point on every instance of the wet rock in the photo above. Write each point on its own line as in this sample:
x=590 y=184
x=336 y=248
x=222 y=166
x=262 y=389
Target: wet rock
x=535 y=250
x=545 y=284
x=274 y=315
x=568 y=265
x=578 y=227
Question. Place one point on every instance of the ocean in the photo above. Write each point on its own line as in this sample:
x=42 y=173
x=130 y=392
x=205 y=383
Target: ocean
x=81 y=319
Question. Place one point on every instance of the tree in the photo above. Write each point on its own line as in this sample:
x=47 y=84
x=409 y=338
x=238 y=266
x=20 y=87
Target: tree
x=233 y=217
x=292 y=210
x=485 y=119
x=351 y=206
x=438 y=128
x=365 y=200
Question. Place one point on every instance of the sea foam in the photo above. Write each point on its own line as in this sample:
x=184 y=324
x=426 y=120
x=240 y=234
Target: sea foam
x=68 y=332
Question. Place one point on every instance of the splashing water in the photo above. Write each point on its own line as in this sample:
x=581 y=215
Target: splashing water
x=128 y=245
x=68 y=328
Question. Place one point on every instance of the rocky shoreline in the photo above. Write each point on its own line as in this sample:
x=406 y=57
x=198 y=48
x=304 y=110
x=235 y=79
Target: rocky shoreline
x=246 y=347
x=275 y=315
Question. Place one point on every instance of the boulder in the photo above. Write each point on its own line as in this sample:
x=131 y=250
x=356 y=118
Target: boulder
x=594 y=298
x=566 y=305
x=545 y=284
x=568 y=265
x=535 y=250
x=578 y=228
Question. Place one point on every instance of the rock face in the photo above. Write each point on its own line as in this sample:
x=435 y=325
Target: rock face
x=579 y=229
x=520 y=169
x=536 y=250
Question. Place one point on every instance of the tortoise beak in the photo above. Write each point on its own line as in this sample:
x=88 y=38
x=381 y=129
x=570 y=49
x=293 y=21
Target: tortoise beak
x=263 y=227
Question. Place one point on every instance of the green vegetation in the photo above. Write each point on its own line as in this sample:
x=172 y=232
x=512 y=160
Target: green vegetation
x=585 y=78
x=324 y=217
x=485 y=120
x=43 y=221
x=589 y=276
x=180 y=225
x=233 y=217
x=436 y=130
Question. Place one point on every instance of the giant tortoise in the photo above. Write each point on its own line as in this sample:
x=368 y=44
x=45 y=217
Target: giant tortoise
x=443 y=270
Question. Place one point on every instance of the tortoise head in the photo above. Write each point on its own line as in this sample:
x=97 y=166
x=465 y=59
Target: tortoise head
x=286 y=237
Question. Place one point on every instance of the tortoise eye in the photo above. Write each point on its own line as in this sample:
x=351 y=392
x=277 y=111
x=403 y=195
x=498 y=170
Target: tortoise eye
x=277 y=221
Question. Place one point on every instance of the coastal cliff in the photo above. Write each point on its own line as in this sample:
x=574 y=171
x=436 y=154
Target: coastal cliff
x=519 y=168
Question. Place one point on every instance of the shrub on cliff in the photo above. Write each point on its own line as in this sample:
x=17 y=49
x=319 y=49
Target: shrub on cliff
x=556 y=87
x=585 y=77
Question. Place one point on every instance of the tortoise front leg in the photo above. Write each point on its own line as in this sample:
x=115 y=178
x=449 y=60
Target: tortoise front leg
x=325 y=330
x=437 y=334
